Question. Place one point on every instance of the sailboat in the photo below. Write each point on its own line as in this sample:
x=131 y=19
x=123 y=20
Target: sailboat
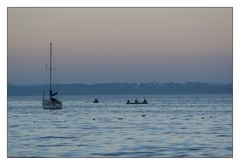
x=52 y=102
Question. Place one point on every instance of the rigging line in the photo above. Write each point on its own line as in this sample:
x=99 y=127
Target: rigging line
x=44 y=80
x=54 y=73
x=50 y=66
x=56 y=81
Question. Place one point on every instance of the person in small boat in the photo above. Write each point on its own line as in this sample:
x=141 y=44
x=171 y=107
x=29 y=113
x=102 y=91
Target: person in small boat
x=96 y=101
x=128 y=101
x=145 y=101
x=136 y=101
x=53 y=99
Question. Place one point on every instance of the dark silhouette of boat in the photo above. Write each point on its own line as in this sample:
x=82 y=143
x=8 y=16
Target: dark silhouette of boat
x=137 y=102
x=96 y=101
x=52 y=102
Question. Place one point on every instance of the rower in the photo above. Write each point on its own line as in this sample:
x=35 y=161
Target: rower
x=145 y=101
x=96 y=101
x=136 y=101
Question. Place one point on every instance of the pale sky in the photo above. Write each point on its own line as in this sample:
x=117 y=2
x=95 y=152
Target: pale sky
x=94 y=45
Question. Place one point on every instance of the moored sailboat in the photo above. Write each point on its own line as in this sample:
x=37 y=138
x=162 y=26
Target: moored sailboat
x=52 y=102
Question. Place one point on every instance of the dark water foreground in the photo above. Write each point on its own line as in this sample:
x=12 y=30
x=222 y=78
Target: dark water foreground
x=170 y=126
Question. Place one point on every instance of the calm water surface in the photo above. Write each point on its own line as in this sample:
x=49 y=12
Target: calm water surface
x=169 y=126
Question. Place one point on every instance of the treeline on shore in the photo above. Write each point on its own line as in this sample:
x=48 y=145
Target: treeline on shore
x=124 y=88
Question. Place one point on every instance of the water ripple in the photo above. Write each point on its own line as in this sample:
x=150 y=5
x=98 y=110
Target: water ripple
x=170 y=126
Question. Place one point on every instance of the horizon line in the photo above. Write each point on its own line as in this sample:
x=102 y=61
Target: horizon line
x=157 y=82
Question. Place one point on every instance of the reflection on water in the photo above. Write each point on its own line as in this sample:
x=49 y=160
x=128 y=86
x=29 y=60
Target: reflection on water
x=169 y=126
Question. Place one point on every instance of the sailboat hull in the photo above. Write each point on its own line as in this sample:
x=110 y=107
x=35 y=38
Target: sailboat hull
x=47 y=104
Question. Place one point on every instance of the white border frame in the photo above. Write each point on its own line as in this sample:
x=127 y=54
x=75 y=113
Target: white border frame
x=120 y=3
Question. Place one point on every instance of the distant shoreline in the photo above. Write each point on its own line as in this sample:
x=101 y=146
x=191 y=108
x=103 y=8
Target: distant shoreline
x=124 y=89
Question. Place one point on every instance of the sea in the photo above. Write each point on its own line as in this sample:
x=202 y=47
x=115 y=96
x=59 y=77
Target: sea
x=170 y=126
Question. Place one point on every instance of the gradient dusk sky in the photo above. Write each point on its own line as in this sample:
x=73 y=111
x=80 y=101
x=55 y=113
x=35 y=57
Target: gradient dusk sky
x=95 y=45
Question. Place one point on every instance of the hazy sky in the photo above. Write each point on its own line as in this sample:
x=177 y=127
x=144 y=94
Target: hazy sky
x=92 y=45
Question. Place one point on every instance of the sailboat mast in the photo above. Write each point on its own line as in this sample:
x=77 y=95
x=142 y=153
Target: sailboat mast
x=50 y=69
